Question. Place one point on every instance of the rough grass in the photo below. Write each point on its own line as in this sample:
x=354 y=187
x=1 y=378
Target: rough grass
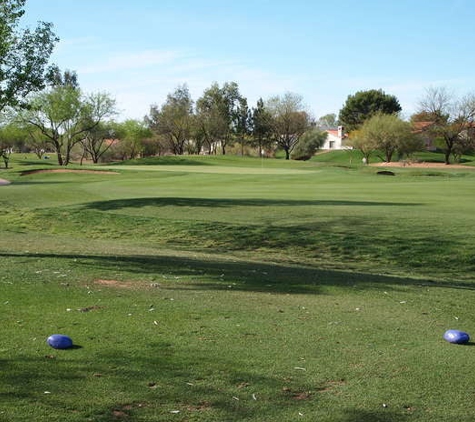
x=316 y=294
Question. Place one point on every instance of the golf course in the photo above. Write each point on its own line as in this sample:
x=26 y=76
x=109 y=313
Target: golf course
x=225 y=288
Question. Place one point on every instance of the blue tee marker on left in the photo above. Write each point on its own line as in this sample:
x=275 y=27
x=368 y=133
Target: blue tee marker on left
x=59 y=341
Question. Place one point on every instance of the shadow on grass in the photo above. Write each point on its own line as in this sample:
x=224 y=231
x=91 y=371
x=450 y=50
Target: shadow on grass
x=194 y=273
x=161 y=381
x=20 y=182
x=376 y=416
x=222 y=203
x=158 y=380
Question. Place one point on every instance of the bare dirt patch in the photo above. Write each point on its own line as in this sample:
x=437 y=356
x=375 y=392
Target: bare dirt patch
x=116 y=284
x=442 y=166
x=133 y=285
x=27 y=172
x=4 y=182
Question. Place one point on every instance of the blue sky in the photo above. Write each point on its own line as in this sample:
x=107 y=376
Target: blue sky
x=141 y=50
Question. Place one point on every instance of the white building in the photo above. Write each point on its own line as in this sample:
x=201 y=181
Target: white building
x=335 y=139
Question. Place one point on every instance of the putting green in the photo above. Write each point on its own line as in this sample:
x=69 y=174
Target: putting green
x=208 y=169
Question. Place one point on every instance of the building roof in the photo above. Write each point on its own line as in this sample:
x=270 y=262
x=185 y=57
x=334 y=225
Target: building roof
x=334 y=132
x=420 y=126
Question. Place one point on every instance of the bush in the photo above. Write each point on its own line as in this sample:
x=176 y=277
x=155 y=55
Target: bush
x=308 y=144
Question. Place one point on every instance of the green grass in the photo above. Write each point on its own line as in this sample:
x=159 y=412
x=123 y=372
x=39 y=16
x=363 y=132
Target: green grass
x=236 y=289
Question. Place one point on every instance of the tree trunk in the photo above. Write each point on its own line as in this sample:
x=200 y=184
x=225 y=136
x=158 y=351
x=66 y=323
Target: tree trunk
x=287 y=154
x=448 y=151
x=447 y=156
x=60 y=158
x=389 y=156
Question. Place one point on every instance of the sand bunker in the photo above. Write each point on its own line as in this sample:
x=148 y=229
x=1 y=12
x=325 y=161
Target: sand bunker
x=423 y=165
x=4 y=182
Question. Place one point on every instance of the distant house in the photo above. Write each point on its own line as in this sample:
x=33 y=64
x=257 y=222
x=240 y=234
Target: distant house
x=336 y=139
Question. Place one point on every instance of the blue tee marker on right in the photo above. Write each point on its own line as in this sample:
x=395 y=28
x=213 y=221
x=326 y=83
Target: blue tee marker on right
x=456 y=337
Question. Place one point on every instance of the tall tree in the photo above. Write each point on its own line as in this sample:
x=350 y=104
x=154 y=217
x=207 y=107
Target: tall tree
x=174 y=120
x=363 y=105
x=261 y=128
x=452 y=119
x=243 y=123
x=289 y=120
x=95 y=109
x=218 y=114
x=24 y=55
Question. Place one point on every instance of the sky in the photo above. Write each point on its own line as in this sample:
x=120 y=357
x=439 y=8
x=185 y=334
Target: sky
x=139 y=51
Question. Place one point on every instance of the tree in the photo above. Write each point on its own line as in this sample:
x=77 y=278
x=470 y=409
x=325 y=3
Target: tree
x=210 y=123
x=243 y=123
x=261 y=129
x=363 y=105
x=36 y=141
x=452 y=119
x=98 y=140
x=8 y=137
x=289 y=120
x=328 y=121
x=12 y=138
x=24 y=55
x=67 y=78
x=359 y=141
x=94 y=134
x=309 y=143
x=131 y=134
x=174 y=120
x=218 y=114
x=389 y=134
x=64 y=116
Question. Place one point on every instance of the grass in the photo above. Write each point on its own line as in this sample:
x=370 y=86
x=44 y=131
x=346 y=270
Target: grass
x=261 y=290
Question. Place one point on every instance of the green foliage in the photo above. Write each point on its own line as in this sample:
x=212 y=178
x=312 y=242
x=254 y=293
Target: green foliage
x=65 y=116
x=174 y=121
x=328 y=121
x=388 y=134
x=66 y=78
x=24 y=55
x=363 y=105
x=131 y=135
x=13 y=136
x=308 y=144
x=261 y=128
x=98 y=140
x=218 y=115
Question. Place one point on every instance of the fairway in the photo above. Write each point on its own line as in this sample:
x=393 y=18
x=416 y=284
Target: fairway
x=236 y=289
